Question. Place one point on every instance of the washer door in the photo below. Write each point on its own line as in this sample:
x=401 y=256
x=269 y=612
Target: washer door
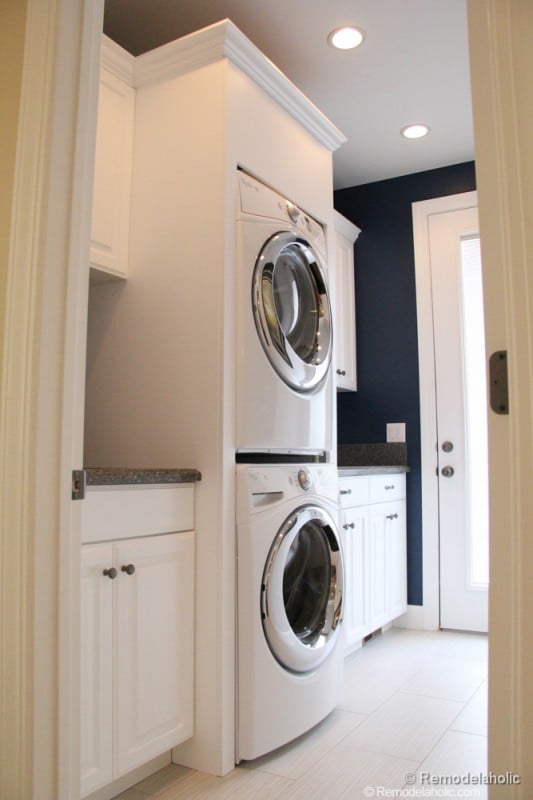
x=292 y=311
x=302 y=590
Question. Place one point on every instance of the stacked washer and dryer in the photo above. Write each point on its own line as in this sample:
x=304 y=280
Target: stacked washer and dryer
x=290 y=563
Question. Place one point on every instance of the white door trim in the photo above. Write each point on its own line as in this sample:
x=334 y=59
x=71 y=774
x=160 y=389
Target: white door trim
x=429 y=616
x=40 y=410
x=501 y=63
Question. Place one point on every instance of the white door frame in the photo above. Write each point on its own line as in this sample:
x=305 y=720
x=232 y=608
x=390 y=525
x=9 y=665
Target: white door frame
x=429 y=617
x=501 y=63
x=41 y=399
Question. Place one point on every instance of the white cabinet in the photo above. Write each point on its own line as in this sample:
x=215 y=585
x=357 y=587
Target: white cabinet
x=373 y=519
x=356 y=556
x=96 y=669
x=344 y=303
x=137 y=650
x=113 y=165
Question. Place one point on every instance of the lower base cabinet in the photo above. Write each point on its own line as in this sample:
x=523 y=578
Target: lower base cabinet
x=373 y=519
x=137 y=635
x=357 y=565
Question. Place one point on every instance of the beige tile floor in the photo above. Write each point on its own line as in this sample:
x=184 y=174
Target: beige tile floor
x=414 y=706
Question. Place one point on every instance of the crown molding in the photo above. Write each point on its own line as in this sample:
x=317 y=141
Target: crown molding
x=345 y=227
x=114 y=58
x=225 y=40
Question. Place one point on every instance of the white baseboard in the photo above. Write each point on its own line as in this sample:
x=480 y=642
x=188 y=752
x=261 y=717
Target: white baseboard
x=417 y=618
x=129 y=780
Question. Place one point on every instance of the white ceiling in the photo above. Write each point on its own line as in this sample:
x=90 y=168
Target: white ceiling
x=412 y=67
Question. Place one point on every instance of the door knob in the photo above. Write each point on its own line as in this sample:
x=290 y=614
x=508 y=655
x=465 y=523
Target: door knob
x=110 y=573
x=447 y=472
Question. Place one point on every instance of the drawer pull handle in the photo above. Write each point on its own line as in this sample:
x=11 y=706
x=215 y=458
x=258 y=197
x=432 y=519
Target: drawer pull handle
x=392 y=516
x=128 y=568
x=348 y=525
x=341 y=372
x=110 y=573
x=390 y=487
x=346 y=491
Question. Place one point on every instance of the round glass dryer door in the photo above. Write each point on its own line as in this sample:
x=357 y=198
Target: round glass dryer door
x=302 y=590
x=292 y=311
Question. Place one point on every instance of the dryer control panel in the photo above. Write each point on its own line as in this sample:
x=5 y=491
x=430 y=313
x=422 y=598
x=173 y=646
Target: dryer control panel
x=260 y=200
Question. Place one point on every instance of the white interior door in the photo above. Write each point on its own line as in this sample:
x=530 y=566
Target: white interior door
x=461 y=407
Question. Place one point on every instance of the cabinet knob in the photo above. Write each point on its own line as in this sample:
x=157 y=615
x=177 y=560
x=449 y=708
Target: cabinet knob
x=110 y=573
x=129 y=568
x=348 y=525
x=392 y=516
x=390 y=486
x=346 y=491
x=341 y=372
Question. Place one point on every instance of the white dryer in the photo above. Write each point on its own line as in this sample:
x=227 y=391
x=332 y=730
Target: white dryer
x=289 y=603
x=284 y=393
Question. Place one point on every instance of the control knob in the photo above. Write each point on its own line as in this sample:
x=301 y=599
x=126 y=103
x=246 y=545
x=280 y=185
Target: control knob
x=304 y=479
x=293 y=211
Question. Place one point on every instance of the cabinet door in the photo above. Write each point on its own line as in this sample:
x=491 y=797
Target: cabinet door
x=356 y=526
x=396 y=561
x=344 y=304
x=112 y=177
x=96 y=668
x=377 y=582
x=154 y=646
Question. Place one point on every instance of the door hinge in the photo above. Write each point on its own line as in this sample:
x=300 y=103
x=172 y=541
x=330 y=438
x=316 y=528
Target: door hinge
x=499 y=392
x=78 y=484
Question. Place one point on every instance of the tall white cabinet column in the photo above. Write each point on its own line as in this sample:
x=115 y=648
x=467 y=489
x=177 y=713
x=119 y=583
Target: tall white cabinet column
x=161 y=353
x=345 y=365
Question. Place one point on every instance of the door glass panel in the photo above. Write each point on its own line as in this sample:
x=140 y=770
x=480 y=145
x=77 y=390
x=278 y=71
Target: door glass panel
x=307 y=581
x=298 y=303
x=475 y=382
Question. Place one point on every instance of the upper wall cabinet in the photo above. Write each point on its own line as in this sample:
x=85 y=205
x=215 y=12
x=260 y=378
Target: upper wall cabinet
x=113 y=165
x=344 y=304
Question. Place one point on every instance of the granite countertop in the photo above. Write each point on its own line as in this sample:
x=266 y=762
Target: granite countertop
x=122 y=476
x=362 y=469
x=372 y=459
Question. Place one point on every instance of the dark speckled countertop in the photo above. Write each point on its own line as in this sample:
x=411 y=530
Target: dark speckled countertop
x=122 y=476
x=371 y=470
x=372 y=459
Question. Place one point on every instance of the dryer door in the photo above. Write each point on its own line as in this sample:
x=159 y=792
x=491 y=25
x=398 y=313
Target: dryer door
x=292 y=311
x=302 y=590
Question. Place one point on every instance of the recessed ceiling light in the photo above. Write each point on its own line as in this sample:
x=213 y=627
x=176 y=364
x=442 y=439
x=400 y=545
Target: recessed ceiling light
x=416 y=131
x=346 y=38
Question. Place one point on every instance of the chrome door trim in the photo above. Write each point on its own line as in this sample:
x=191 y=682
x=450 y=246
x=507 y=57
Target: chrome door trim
x=303 y=375
x=284 y=644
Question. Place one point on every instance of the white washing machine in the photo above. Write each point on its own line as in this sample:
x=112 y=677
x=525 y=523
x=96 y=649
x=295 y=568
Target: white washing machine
x=289 y=603
x=284 y=395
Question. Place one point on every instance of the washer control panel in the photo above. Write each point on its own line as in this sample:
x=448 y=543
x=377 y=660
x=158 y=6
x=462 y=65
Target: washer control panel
x=260 y=487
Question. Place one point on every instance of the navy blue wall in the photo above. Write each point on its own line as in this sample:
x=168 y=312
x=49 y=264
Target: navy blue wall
x=387 y=343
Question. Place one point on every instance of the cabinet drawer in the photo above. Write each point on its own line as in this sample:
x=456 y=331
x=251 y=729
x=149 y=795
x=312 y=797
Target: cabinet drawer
x=125 y=512
x=354 y=491
x=387 y=487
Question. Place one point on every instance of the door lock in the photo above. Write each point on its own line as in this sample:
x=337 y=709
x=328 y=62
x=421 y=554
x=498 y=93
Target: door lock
x=447 y=472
